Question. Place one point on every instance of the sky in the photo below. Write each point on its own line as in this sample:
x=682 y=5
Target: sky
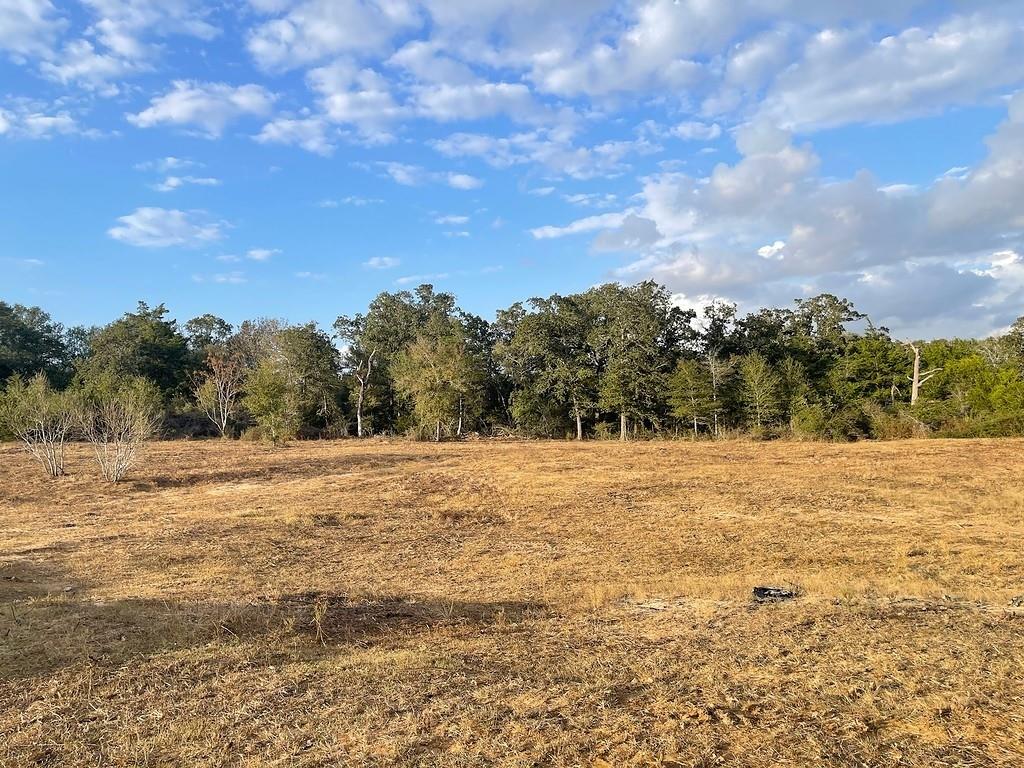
x=293 y=158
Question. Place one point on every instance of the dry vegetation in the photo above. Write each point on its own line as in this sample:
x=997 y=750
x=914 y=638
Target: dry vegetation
x=392 y=603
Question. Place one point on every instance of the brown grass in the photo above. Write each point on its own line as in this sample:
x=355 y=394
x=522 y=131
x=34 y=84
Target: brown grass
x=393 y=603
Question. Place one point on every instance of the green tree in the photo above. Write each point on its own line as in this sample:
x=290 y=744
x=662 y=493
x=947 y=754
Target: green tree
x=760 y=391
x=30 y=342
x=207 y=331
x=691 y=393
x=441 y=376
x=637 y=336
x=145 y=344
x=550 y=362
x=272 y=401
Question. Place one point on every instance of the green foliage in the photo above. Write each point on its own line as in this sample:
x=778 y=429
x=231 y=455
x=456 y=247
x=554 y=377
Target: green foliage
x=691 y=394
x=442 y=377
x=271 y=399
x=760 y=392
x=145 y=344
x=30 y=342
x=117 y=415
x=613 y=360
x=40 y=417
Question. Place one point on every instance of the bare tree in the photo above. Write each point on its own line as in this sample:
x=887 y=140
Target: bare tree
x=117 y=418
x=217 y=389
x=918 y=378
x=39 y=417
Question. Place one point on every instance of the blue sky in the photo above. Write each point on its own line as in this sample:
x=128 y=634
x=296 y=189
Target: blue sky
x=292 y=158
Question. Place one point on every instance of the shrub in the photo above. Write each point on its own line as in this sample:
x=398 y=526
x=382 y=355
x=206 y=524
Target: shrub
x=40 y=417
x=273 y=403
x=117 y=417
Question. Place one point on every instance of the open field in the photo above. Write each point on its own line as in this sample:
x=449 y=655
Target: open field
x=395 y=603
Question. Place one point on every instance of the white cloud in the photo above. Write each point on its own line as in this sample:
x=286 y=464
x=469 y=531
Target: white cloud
x=317 y=29
x=463 y=181
x=414 y=175
x=210 y=106
x=772 y=251
x=29 y=27
x=24 y=119
x=846 y=76
x=410 y=279
x=165 y=164
x=693 y=130
x=310 y=133
x=451 y=219
x=768 y=227
x=222 y=278
x=589 y=224
x=306 y=275
x=354 y=200
x=551 y=148
x=162 y=227
x=382 y=262
x=172 y=183
x=262 y=254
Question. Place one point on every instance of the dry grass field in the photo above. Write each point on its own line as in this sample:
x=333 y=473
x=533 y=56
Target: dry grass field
x=516 y=604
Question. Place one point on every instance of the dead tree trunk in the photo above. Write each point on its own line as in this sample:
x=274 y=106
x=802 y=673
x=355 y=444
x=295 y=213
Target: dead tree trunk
x=363 y=377
x=918 y=378
x=622 y=426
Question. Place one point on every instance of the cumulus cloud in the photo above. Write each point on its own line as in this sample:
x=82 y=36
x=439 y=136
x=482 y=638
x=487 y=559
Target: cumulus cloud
x=312 y=134
x=162 y=227
x=29 y=27
x=208 y=106
x=768 y=227
x=23 y=119
x=317 y=29
x=846 y=76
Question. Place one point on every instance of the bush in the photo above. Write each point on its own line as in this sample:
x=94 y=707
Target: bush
x=273 y=403
x=40 y=417
x=117 y=417
x=893 y=423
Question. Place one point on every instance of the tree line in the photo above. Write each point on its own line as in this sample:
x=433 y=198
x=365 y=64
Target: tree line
x=620 y=362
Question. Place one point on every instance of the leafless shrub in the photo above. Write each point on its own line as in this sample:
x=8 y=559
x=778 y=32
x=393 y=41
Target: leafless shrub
x=117 y=418
x=217 y=389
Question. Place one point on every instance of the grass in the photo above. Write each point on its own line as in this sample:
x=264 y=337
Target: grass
x=504 y=603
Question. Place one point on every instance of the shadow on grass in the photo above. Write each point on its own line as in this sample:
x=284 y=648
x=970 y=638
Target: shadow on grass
x=279 y=467
x=45 y=626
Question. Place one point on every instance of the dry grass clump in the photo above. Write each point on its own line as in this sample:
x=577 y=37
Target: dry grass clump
x=392 y=603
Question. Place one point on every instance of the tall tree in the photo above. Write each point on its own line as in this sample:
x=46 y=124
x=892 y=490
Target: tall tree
x=30 y=342
x=638 y=335
x=441 y=376
x=144 y=343
x=691 y=393
x=761 y=390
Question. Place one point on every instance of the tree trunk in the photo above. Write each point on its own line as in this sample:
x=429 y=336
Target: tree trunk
x=579 y=426
x=622 y=427
x=915 y=386
x=695 y=427
x=359 y=409
x=437 y=432
x=918 y=378
x=458 y=431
